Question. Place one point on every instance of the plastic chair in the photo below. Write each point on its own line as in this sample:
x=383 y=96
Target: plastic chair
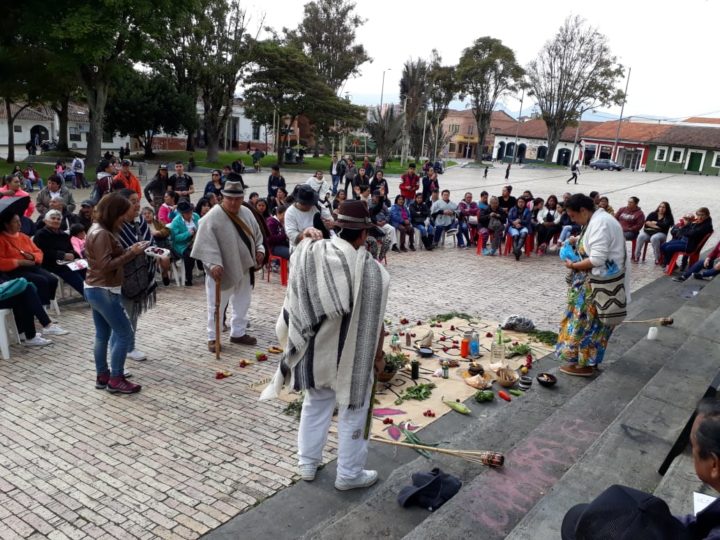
x=693 y=256
x=5 y=327
x=177 y=270
x=481 y=243
x=529 y=242
x=283 y=269
x=632 y=249
x=452 y=233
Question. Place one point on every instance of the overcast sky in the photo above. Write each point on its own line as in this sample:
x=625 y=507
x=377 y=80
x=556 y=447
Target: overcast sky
x=670 y=45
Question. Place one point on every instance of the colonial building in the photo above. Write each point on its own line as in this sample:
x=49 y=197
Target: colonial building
x=685 y=149
x=464 y=139
x=633 y=142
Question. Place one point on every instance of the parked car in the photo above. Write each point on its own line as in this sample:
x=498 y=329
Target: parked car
x=605 y=164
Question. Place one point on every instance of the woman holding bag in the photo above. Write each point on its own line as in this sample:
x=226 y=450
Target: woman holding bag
x=599 y=289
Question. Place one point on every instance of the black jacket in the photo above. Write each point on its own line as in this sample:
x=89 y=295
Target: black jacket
x=428 y=186
x=156 y=189
x=484 y=216
x=54 y=246
x=695 y=232
x=418 y=212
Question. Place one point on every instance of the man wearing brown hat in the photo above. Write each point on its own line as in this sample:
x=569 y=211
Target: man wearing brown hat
x=230 y=245
x=331 y=327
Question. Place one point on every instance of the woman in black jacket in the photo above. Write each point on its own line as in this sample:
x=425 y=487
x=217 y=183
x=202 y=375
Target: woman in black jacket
x=655 y=230
x=56 y=246
x=689 y=236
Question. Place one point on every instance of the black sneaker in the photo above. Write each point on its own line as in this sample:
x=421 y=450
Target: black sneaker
x=412 y=248
x=679 y=278
x=166 y=280
x=395 y=249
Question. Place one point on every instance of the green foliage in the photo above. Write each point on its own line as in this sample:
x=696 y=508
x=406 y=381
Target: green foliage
x=444 y=317
x=385 y=130
x=574 y=72
x=544 y=336
x=394 y=361
x=487 y=71
x=141 y=104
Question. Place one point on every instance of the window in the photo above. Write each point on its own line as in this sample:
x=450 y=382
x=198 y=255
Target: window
x=17 y=128
x=470 y=129
x=716 y=160
x=451 y=149
x=661 y=153
x=74 y=134
x=107 y=137
x=255 y=132
x=676 y=155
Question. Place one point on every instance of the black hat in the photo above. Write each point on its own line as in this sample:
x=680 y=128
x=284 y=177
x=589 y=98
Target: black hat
x=184 y=206
x=163 y=166
x=622 y=513
x=88 y=203
x=429 y=490
x=304 y=194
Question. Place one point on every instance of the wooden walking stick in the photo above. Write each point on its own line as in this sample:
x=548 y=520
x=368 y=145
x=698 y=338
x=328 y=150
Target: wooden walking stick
x=217 y=319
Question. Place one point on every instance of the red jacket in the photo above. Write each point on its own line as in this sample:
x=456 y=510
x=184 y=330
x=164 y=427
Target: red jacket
x=409 y=186
x=630 y=220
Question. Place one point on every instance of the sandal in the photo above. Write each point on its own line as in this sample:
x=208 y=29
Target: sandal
x=574 y=369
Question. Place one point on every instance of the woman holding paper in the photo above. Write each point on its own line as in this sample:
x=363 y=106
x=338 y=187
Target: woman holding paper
x=58 y=252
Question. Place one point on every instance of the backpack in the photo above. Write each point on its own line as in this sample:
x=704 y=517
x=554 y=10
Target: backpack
x=96 y=194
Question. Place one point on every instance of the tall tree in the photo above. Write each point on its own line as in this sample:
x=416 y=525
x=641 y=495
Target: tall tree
x=385 y=130
x=97 y=35
x=574 y=71
x=284 y=82
x=487 y=71
x=142 y=104
x=413 y=96
x=442 y=89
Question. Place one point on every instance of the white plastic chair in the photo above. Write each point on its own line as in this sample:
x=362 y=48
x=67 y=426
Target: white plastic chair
x=5 y=328
x=178 y=272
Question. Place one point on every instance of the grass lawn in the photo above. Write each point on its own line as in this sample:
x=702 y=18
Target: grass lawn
x=311 y=164
x=44 y=169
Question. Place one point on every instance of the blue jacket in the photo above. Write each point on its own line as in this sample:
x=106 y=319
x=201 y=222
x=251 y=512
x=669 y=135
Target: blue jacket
x=525 y=218
x=179 y=234
x=396 y=215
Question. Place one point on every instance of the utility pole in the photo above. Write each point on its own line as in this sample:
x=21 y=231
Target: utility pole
x=382 y=91
x=517 y=127
x=622 y=110
x=402 y=151
x=422 y=147
x=437 y=138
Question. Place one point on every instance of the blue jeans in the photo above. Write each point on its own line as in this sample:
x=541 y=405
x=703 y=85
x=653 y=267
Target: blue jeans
x=698 y=268
x=112 y=326
x=514 y=232
x=281 y=251
x=668 y=249
x=335 y=183
x=425 y=230
x=439 y=229
x=463 y=234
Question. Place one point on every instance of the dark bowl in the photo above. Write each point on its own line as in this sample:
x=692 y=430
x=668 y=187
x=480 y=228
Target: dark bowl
x=425 y=352
x=525 y=380
x=546 y=379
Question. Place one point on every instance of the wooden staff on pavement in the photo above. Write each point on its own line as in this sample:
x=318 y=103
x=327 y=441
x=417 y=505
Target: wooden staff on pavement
x=217 y=319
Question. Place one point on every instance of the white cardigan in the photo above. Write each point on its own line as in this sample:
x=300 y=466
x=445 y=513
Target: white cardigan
x=604 y=241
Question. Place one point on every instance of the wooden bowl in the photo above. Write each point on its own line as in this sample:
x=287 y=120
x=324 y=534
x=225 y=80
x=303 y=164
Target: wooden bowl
x=546 y=379
x=507 y=377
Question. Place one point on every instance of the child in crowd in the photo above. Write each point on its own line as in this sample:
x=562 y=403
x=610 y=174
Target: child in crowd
x=77 y=238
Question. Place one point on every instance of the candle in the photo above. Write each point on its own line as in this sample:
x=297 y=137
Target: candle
x=652 y=332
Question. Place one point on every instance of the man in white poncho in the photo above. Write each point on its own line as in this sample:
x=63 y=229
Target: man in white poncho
x=230 y=245
x=331 y=327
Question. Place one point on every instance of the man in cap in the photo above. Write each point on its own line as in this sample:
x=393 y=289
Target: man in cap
x=85 y=214
x=331 y=327
x=230 y=245
x=128 y=179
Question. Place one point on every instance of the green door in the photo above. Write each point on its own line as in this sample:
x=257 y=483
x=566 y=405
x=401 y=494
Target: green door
x=694 y=162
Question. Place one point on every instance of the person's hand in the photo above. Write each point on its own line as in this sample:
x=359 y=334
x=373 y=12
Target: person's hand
x=25 y=262
x=313 y=233
x=568 y=264
x=216 y=272
x=716 y=266
x=572 y=240
x=69 y=257
x=706 y=263
x=329 y=223
x=28 y=256
x=138 y=247
x=259 y=257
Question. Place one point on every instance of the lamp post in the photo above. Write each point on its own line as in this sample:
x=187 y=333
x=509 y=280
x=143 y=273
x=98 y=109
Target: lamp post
x=382 y=89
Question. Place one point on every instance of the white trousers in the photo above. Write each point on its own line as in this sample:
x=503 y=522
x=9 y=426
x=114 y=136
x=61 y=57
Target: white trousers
x=317 y=412
x=239 y=298
x=392 y=232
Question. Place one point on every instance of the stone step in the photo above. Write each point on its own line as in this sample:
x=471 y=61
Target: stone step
x=630 y=451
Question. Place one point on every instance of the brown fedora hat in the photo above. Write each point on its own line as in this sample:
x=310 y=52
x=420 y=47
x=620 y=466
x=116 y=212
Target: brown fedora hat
x=354 y=215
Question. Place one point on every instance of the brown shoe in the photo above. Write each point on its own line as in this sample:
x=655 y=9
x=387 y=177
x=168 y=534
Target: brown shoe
x=244 y=340
x=574 y=369
x=211 y=346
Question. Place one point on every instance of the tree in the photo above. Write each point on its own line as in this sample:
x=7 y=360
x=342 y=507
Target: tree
x=327 y=36
x=96 y=35
x=142 y=104
x=413 y=96
x=386 y=130
x=442 y=89
x=284 y=83
x=487 y=71
x=575 y=71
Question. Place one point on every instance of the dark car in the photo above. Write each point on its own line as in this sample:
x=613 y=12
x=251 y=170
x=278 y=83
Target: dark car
x=605 y=164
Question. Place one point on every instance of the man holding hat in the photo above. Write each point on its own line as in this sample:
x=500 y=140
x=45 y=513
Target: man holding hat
x=331 y=327
x=230 y=245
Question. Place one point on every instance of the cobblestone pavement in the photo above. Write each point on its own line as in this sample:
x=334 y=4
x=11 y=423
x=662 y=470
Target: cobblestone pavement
x=189 y=452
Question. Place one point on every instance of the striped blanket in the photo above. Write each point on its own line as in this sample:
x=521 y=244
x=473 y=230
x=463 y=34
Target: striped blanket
x=330 y=321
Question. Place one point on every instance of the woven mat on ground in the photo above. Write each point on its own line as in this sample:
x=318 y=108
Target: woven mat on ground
x=452 y=388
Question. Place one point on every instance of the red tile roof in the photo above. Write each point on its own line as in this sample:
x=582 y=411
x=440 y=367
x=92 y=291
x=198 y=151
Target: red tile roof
x=692 y=136
x=29 y=113
x=702 y=120
x=638 y=132
x=537 y=129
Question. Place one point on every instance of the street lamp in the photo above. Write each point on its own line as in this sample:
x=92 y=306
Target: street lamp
x=382 y=89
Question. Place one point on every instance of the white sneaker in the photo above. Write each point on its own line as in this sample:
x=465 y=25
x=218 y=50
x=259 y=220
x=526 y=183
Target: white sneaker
x=54 y=330
x=37 y=341
x=363 y=480
x=137 y=355
x=307 y=472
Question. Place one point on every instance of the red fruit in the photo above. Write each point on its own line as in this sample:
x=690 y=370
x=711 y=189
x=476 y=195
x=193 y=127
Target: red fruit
x=489 y=334
x=419 y=323
x=413 y=334
x=452 y=328
x=243 y=363
x=445 y=349
x=262 y=358
x=529 y=358
x=515 y=343
x=402 y=333
x=219 y=375
x=442 y=338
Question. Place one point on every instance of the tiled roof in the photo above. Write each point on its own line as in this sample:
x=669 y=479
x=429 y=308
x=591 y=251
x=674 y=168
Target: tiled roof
x=702 y=120
x=629 y=131
x=693 y=136
x=29 y=113
x=537 y=129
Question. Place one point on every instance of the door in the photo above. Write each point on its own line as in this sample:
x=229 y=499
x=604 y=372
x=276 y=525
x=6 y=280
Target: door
x=694 y=161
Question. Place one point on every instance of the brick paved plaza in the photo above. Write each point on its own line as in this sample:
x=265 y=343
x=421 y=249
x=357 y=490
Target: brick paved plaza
x=189 y=452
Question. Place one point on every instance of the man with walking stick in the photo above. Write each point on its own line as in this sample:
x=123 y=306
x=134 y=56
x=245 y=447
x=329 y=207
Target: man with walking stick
x=331 y=327
x=230 y=245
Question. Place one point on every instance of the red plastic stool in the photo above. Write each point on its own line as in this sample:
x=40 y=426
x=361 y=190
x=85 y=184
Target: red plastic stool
x=283 y=269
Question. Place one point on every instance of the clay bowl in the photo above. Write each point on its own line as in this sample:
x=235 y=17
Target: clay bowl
x=507 y=377
x=546 y=379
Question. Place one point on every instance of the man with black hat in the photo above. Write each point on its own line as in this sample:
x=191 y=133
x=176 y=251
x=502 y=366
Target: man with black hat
x=85 y=214
x=230 y=245
x=306 y=218
x=331 y=327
